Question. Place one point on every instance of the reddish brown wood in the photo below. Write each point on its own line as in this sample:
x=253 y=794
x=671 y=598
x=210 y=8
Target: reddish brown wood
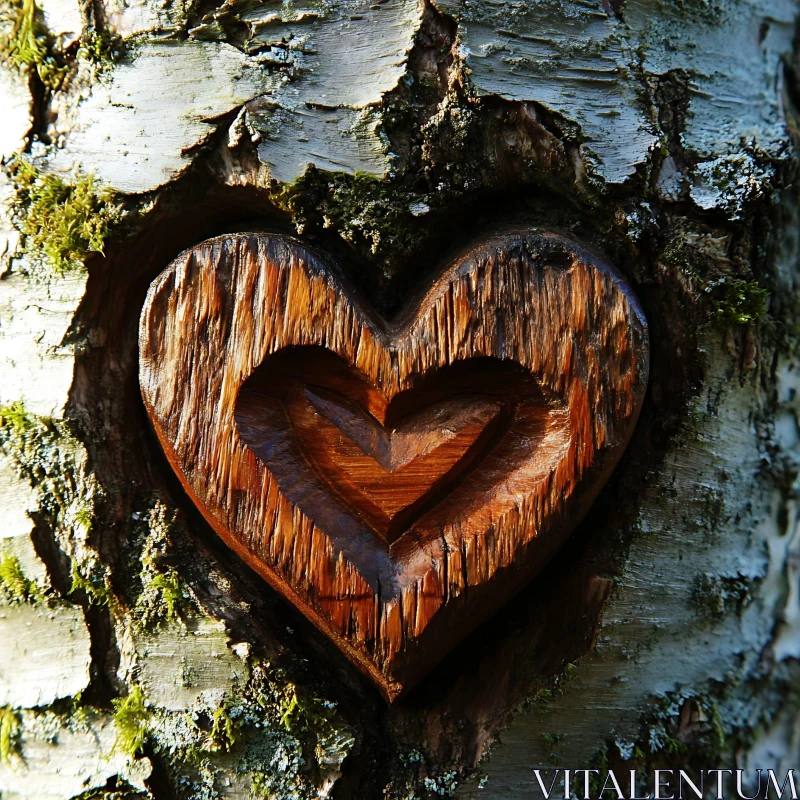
x=397 y=481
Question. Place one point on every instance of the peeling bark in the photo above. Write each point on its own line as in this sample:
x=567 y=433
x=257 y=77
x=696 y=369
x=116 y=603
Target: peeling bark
x=665 y=632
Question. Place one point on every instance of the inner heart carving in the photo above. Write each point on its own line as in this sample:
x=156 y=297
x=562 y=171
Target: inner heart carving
x=450 y=426
x=396 y=481
x=349 y=456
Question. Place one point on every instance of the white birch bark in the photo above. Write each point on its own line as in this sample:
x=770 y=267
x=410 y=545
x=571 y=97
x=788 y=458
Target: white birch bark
x=661 y=132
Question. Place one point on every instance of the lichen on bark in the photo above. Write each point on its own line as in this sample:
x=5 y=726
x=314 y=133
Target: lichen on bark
x=633 y=126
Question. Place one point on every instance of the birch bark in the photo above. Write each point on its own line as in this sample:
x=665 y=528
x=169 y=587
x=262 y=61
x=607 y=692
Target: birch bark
x=139 y=658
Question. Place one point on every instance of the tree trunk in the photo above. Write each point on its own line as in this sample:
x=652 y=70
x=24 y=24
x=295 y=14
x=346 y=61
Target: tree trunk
x=140 y=657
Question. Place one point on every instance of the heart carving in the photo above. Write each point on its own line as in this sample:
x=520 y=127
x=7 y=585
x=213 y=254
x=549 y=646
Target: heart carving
x=396 y=481
x=389 y=471
x=351 y=457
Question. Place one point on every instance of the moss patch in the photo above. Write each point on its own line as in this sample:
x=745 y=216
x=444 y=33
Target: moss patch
x=30 y=45
x=225 y=729
x=96 y=588
x=286 y=743
x=738 y=302
x=132 y=720
x=102 y=48
x=163 y=596
x=367 y=212
x=9 y=732
x=300 y=714
x=12 y=581
x=168 y=594
x=15 y=416
x=85 y=518
x=48 y=455
x=61 y=222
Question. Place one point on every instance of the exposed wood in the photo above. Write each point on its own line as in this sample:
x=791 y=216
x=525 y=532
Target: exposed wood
x=531 y=350
x=382 y=473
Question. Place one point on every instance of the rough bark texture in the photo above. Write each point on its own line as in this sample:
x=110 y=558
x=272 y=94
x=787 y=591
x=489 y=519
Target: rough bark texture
x=667 y=629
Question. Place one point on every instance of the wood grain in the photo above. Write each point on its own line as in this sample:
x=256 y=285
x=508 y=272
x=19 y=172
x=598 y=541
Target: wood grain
x=397 y=481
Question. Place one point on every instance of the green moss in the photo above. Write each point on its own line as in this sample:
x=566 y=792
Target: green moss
x=133 y=722
x=719 y=736
x=570 y=672
x=97 y=589
x=15 y=416
x=367 y=212
x=12 y=579
x=30 y=45
x=599 y=763
x=61 y=222
x=261 y=785
x=311 y=719
x=168 y=589
x=542 y=696
x=286 y=745
x=225 y=730
x=51 y=458
x=737 y=302
x=9 y=732
x=103 y=48
x=550 y=740
x=162 y=596
x=299 y=713
x=85 y=518
x=673 y=746
x=24 y=436
x=288 y=708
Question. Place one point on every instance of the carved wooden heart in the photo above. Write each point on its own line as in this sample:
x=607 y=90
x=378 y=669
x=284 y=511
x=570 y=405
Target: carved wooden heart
x=396 y=481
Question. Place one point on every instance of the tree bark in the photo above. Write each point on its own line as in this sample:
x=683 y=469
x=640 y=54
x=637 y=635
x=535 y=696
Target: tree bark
x=139 y=657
